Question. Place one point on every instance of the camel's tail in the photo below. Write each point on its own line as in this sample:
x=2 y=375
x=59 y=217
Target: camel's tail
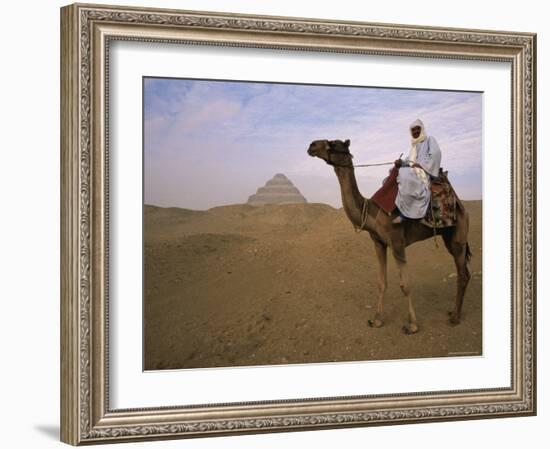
x=468 y=253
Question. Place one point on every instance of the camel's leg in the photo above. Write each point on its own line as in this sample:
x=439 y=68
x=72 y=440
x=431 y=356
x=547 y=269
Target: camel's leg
x=399 y=255
x=459 y=251
x=382 y=283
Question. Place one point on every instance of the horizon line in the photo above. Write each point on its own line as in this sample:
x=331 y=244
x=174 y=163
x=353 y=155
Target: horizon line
x=262 y=205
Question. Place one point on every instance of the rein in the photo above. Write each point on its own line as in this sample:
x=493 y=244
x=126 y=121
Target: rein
x=329 y=162
x=365 y=208
x=377 y=164
x=373 y=165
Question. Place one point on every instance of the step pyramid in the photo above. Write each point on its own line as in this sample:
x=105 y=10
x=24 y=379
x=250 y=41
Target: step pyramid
x=278 y=190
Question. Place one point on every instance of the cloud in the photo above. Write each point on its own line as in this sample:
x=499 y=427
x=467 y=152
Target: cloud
x=245 y=132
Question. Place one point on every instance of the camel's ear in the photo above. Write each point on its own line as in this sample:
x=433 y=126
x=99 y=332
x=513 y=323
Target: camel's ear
x=346 y=143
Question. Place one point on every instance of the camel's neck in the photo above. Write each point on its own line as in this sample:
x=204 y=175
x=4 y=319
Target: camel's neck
x=352 y=199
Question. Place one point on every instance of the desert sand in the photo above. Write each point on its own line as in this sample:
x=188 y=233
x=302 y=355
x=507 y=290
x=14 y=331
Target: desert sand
x=243 y=285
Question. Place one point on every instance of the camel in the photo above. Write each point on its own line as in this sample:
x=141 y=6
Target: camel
x=366 y=215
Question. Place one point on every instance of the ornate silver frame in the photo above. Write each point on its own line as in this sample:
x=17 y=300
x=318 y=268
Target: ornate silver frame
x=86 y=32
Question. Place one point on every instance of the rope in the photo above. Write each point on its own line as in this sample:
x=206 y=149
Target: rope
x=364 y=216
x=433 y=218
x=377 y=163
x=364 y=210
x=374 y=165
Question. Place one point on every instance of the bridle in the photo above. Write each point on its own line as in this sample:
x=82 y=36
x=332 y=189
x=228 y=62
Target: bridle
x=330 y=151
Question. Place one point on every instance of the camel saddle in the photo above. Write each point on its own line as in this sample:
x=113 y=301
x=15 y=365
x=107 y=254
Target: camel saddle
x=442 y=210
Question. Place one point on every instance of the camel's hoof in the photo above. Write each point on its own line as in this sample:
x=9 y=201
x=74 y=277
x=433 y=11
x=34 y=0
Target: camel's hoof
x=410 y=329
x=453 y=319
x=376 y=323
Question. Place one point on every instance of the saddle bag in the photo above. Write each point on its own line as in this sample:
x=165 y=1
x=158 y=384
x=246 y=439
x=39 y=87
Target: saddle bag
x=442 y=211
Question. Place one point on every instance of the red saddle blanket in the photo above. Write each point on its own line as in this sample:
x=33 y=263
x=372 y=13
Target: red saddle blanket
x=385 y=196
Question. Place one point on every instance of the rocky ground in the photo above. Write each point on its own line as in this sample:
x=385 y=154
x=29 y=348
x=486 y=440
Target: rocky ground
x=244 y=285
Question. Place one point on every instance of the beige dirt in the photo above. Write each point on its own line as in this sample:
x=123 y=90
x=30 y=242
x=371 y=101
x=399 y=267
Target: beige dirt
x=242 y=285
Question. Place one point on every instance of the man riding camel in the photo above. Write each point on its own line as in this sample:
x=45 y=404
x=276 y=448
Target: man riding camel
x=415 y=174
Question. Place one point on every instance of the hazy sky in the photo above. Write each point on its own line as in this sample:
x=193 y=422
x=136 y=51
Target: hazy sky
x=210 y=143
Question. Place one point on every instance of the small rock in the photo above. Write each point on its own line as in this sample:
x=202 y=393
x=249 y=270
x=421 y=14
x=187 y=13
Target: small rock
x=452 y=275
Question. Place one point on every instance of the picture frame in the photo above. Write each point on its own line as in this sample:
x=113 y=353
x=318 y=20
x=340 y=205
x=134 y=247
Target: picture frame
x=87 y=33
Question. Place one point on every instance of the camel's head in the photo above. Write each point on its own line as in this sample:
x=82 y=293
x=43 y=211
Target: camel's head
x=333 y=152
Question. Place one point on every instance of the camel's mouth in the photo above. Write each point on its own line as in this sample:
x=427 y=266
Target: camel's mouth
x=313 y=149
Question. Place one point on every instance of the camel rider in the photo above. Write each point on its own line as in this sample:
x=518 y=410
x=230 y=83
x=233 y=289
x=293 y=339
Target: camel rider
x=415 y=174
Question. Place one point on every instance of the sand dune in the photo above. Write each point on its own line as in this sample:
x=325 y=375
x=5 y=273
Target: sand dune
x=245 y=285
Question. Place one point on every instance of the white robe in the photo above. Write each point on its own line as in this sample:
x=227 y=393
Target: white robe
x=413 y=196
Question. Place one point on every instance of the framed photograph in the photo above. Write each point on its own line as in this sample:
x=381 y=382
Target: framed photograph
x=278 y=224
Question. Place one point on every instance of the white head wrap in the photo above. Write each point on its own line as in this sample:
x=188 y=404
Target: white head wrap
x=422 y=136
x=413 y=153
